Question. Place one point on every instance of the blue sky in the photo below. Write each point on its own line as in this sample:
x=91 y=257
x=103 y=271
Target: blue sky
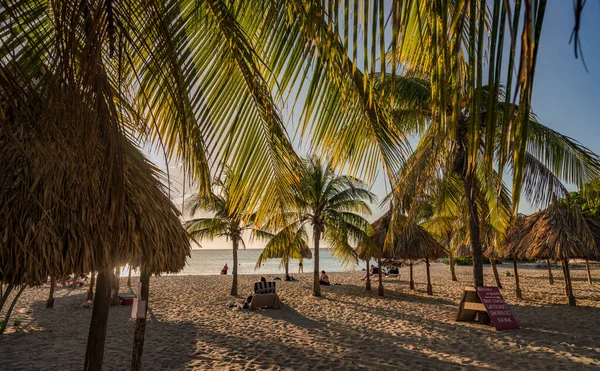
x=566 y=98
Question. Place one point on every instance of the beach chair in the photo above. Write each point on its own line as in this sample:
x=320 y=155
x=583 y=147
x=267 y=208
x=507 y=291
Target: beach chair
x=265 y=296
x=393 y=275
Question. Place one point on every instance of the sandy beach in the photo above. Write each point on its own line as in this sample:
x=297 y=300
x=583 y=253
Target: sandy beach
x=191 y=327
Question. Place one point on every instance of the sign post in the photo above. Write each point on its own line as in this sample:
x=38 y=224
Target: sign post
x=487 y=304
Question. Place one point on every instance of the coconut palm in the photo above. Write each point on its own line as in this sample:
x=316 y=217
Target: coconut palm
x=289 y=243
x=225 y=222
x=550 y=158
x=329 y=204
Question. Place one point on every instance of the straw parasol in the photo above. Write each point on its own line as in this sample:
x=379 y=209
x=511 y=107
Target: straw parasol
x=408 y=241
x=558 y=232
x=372 y=247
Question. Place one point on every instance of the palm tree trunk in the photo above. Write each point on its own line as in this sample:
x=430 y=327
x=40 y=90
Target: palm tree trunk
x=451 y=261
x=517 y=286
x=50 y=301
x=380 y=287
x=287 y=267
x=368 y=288
x=550 y=277
x=140 y=323
x=496 y=275
x=589 y=272
x=94 y=353
x=234 y=284
x=5 y=295
x=90 y=294
x=412 y=283
x=116 y=277
x=474 y=231
x=429 y=287
x=568 y=286
x=317 y=238
x=10 y=309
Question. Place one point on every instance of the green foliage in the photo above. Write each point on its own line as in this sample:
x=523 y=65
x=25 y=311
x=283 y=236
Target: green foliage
x=467 y=260
x=588 y=199
x=17 y=324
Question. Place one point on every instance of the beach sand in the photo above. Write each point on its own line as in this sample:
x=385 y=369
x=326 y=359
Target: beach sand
x=191 y=327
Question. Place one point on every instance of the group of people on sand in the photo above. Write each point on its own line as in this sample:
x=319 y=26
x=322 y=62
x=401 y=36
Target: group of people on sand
x=69 y=281
x=374 y=271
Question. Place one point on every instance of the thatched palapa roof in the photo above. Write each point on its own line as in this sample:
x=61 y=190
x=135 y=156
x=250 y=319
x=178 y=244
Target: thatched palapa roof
x=557 y=232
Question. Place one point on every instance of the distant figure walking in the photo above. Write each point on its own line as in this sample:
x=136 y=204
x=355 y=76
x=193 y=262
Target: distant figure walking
x=225 y=268
x=300 y=267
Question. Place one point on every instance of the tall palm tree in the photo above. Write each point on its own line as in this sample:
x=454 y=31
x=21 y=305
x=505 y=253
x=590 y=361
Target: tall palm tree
x=225 y=222
x=289 y=243
x=550 y=158
x=330 y=204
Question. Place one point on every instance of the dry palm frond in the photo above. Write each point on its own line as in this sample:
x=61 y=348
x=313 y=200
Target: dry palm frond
x=557 y=232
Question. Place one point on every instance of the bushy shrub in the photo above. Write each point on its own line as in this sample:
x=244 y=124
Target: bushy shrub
x=467 y=260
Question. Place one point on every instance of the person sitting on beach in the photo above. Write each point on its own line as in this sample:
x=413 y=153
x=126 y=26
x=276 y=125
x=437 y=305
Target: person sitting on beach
x=82 y=280
x=289 y=278
x=225 y=268
x=394 y=270
x=324 y=280
x=246 y=303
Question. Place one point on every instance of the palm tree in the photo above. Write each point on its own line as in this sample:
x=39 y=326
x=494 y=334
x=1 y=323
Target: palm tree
x=443 y=154
x=330 y=204
x=224 y=223
x=289 y=243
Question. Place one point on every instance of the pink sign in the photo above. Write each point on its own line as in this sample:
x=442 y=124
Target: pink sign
x=497 y=309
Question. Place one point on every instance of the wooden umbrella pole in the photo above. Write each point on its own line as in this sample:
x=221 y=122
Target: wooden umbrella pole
x=496 y=275
x=50 y=301
x=568 y=286
x=10 y=309
x=517 y=286
x=129 y=278
x=429 y=287
x=412 y=283
x=140 y=323
x=380 y=287
x=94 y=354
x=550 y=277
x=589 y=272
x=368 y=288
x=4 y=297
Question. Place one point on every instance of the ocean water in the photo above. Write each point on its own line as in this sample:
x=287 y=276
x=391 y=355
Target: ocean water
x=210 y=261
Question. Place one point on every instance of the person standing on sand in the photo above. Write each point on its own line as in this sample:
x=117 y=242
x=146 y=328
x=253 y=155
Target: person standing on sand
x=225 y=268
x=300 y=267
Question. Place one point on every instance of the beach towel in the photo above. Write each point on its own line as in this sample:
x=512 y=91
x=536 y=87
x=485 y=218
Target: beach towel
x=264 y=287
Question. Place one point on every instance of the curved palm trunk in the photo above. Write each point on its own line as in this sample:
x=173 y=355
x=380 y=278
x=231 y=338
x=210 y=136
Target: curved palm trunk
x=429 y=287
x=4 y=296
x=317 y=238
x=412 y=283
x=140 y=323
x=10 y=309
x=589 y=272
x=94 y=354
x=477 y=251
x=380 y=287
x=452 y=269
x=517 y=286
x=234 y=284
x=568 y=286
x=496 y=275
x=550 y=277
x=90 y=294
x=368 y=288
x=50 y=301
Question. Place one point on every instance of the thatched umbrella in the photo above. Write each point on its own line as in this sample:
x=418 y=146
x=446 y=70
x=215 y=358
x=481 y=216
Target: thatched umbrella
x=412 y=242
x=373 y=248
x=65 y=210
x=594 y=226
x=558 y=232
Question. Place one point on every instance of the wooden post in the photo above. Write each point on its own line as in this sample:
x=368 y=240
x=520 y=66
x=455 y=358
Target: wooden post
x=234 y=283
x=4 y=297
x=517 y=286
x=94 y=354
x=568 y=287
x=140 y=323
x=116 y=277
x=90 y=294
x=496 y=275
x=368 y=288
x=429 y=287
x=129 y=277
x=380 y=287
x=589 y=272
x=10 y=309
x=50 y=301
x=412 y=283
x=550 y=277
